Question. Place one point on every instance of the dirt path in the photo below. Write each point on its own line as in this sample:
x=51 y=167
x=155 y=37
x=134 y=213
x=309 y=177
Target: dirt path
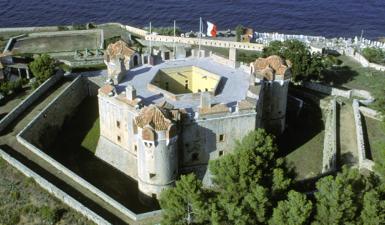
x=347 y=136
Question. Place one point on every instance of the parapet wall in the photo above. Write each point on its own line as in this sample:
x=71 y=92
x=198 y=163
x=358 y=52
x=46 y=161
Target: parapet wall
x=329 y=161
x=363 y=161
x=54 y=115
x=32 y=98
x=363 y=61
x=52 y=189
x=206 y=42
x=44 y=128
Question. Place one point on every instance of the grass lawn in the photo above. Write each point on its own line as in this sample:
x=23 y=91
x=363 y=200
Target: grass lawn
x=22 y=201
x=375 y=137
x=302 y=142
x=352 y=75
x=90 y=141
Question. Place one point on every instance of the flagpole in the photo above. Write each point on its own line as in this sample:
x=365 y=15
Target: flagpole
x=174 y=48
x=200 y=35
x=150 y=40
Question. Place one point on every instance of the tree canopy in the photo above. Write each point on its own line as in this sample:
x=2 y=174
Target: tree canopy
x=305 y=66
x=252 y=186
x=43 y=67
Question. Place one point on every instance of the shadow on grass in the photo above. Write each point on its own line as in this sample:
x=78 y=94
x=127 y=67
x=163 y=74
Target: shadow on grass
x=63 y=186
x=300 y=129
x=339 y=75
x=69 y=151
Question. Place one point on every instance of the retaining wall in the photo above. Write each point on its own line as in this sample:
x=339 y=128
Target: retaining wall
x=43 y=128
x=327 y=89
x=371 y=113
x=32 y=98
x=52 y=189
x=329 y=161
x=52 y=115
x=206 y=42
x=363 y=161
x=364 y=62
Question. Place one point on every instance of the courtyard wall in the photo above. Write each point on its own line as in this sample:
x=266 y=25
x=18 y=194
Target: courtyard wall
x=31 y=99
x=55 y=191
x=329 y=161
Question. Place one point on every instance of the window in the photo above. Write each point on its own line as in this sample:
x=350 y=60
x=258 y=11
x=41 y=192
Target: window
x=118 y=137
x=220 y=153
x=118 y=124
x=186 y=84
x=135 y=148
x=166 y=86
x=221 y=137
x=195 y=157
x=152 y=175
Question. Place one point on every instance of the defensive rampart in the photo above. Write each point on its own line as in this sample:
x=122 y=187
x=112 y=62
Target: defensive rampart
x=329 y=162
x=55 y=191
x=31 y=99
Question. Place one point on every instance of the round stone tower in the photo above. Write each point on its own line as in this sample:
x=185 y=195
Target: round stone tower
x=273 y=74
x=157 y=150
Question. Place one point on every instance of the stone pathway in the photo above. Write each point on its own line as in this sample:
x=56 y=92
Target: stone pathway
x=347 y=136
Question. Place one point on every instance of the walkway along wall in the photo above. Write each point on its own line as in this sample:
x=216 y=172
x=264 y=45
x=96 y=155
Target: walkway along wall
x=32 y=98
x=47 y=115
x=363 y=161
x=52 y=189
x=329 y=161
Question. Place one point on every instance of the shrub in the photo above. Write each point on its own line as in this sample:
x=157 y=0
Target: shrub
x=49 y=215
x=374 y=55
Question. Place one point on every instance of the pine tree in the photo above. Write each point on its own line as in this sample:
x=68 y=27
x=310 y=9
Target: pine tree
x=296 y=210
x=185 y=203
x=373 y=212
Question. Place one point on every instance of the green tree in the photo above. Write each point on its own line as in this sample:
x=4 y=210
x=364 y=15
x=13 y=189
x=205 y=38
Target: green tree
x=43 y=67
x=304 y=65
x=239 y=32
x=339 y=199
x=296 y=210
x=250 y=180
x=373 y=212
x=187 y=198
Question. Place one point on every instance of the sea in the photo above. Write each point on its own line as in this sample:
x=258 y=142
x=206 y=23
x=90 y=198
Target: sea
x=330 y=18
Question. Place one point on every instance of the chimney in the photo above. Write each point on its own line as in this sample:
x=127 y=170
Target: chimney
x=130 y=92
x=205 y=100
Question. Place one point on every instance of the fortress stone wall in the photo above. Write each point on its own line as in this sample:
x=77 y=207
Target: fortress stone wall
x=44 y=128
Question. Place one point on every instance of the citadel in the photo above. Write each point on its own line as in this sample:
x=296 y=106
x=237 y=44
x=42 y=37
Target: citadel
x=169 y=113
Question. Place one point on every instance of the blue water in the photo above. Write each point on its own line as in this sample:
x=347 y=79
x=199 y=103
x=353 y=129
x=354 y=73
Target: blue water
x=312 y=17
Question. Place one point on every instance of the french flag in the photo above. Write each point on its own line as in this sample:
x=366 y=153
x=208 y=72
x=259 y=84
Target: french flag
x=211 y=29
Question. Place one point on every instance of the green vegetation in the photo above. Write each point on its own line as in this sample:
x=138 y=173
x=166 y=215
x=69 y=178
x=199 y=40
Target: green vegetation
x=22 y=201
x=248 y=57
x=11 y=87
x=252 y=186
x=43 y=67
x=374 y=55
x=239 y=32
x=305 y=66
x=90 y=141
x=303 y=138
x=246 y=186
